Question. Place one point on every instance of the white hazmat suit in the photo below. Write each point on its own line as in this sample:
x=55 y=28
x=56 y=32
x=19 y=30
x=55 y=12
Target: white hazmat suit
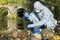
x=45 y=15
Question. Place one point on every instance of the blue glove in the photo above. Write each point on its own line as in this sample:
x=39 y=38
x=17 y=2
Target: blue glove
x=31 y=26
x=26 y=15
x=38 y=31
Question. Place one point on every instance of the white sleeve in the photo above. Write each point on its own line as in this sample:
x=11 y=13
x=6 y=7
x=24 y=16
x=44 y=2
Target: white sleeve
x=31 y=17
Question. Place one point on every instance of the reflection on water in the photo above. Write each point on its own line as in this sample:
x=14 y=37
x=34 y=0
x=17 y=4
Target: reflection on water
x=3 y=24
x=3 y=20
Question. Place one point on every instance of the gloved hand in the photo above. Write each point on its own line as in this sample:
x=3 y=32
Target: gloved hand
x=26 y=15
x=38 y=31
x=31 y=26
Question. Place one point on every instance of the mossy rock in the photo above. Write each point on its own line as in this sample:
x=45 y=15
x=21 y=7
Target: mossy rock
x=12 y=16
x=47 y=32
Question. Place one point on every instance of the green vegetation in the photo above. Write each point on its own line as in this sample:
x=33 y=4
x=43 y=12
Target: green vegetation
x=3 y=21
x=12 y=16
x=13 y=2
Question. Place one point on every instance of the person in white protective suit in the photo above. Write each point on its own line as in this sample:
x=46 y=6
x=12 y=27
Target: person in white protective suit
x=41 y=16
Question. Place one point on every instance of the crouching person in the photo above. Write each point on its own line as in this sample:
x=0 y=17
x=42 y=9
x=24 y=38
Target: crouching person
x=41 y=17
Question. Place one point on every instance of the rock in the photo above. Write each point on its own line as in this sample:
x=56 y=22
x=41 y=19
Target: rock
x=47 y=32
x=36 y=37
x=56 y=37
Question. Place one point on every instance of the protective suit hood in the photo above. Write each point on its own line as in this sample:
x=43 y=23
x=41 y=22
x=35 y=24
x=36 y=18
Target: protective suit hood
x=38 y=5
